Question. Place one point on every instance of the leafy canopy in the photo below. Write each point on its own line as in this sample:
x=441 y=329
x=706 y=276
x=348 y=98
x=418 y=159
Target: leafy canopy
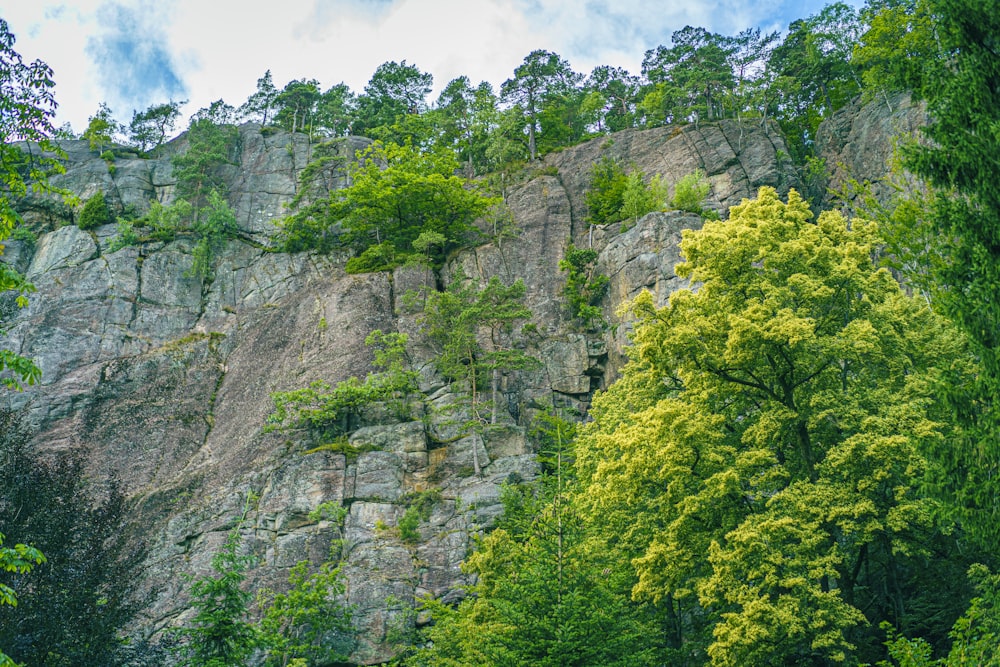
x=774 y=420
x=397 y=193
x=26 y=114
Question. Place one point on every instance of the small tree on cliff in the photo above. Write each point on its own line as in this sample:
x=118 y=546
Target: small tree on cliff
x=475 y=332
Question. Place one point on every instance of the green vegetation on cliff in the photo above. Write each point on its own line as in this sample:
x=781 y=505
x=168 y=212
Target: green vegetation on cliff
x=799 y=463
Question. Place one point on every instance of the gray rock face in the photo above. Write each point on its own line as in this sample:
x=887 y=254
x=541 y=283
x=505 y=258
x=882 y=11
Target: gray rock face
x=858 y=141
x=167 y=381
x=736 y=158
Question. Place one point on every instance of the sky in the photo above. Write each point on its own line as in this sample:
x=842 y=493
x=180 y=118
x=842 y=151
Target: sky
x=132 y=54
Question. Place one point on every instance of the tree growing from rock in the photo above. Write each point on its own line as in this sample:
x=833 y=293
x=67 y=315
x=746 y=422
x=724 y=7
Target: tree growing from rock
x=541 y=79
x=476 y=334
x=149 y=129
x=101 y=129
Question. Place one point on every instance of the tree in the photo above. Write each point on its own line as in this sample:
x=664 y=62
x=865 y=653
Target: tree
x=335 y=110
x=303 y=623
x=467 y=117
x=198 y=169
x=25 y=115
x=692 y=76
x=218 y=113
x=759 y=463
x=260 y=105
x=604 y=194
x=101 y=129
x=585 y=286
x=396 y=194
x=543 y=594
x=955 y=243
x=149 y=129
x=217 y=224
x=395 y=90
x=95 y=212
x=296 y=105
x=814 y=60
x=897 y=48
x=749 y=52
x=542 y=78
x=617 y=94
x=73 y=608
x=220 y=634
x=475 y=333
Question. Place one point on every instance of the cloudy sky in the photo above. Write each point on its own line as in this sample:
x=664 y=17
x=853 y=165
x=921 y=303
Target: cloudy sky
x=134 y=53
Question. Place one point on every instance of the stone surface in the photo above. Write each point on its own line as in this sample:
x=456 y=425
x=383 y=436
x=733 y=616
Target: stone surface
x=167 y=382
x=858 y=142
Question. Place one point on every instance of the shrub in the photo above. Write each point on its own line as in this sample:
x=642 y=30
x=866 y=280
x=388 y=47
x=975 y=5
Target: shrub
x=95 y=212
x=640 y=198
x=381 y=257
x=408 y=525
x=604 y=197
x=585 y=286
x=690 y=192
x=126 y=236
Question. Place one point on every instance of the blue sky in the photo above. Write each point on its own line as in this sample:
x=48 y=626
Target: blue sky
x=134 y=53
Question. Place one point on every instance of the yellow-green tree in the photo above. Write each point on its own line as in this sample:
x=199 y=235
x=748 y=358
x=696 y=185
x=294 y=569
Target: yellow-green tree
x=759 y=460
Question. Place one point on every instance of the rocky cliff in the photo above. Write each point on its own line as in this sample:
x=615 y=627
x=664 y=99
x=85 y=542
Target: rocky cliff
x=166 y=382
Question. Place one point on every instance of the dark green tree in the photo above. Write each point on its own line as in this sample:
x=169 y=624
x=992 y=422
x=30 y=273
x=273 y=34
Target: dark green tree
x=335 y=110
x=690 y=78
x=477 y=335
x=149 y=129
x=260 y=106
x=327 y=413
x=585 y=286
x=815 y=73
x=198 y=170
x=540 y=83
x=296 y=105
x=956 y=244
x=95 y=212
x=74 y=608
x=544 y=594
x=613 y=93
x=220 y=634
x=395 y=90
x=467 y=116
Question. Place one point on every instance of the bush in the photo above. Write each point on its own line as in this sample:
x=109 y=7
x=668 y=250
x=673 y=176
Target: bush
x=408 y=525
x=126 y=236
x=604 y=197
x=166 y=221
x=381 y=257
x=640 y=198
x=585 y=286
x=95 y=213
x=690 y=192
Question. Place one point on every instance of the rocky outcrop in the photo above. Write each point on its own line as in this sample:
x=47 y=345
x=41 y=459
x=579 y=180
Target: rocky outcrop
x=859 y=142
x=166 y=381
x=737 y=158
x=261 y=177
